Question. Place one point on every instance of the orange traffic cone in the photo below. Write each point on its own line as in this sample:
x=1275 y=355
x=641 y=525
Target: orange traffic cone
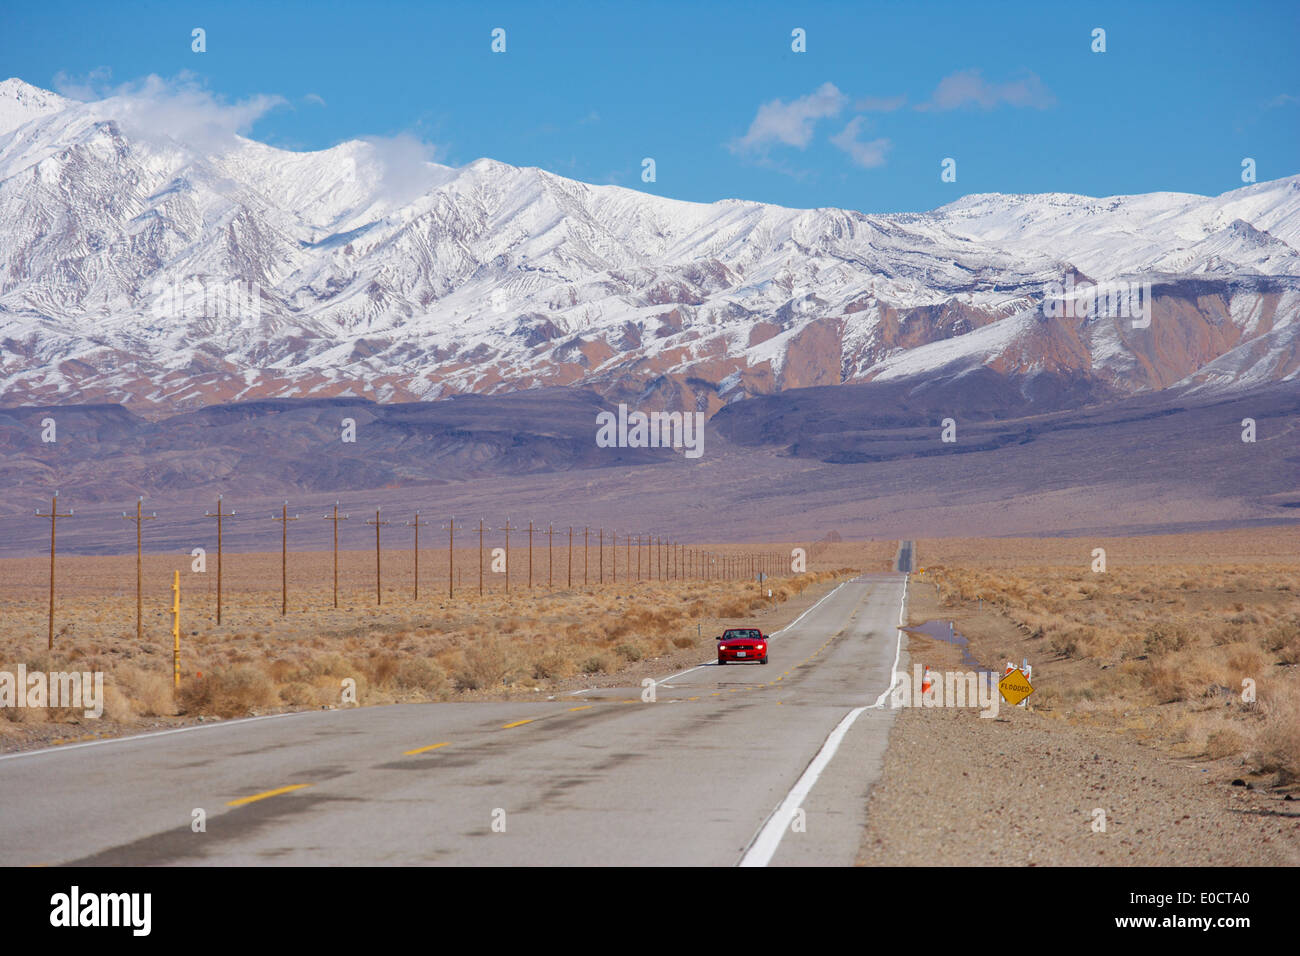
x=926 y=682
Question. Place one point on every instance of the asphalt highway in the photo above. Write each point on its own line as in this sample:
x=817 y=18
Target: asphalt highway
x=742 y=763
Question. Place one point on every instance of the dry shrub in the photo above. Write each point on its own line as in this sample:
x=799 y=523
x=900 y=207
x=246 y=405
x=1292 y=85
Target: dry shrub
x=553 y=665
x=596 y=664
x=1225 y=743
x=1284 y=641
x=228 y=692
x=1165 y=637
x=630 y=652
x=381 y=669
x=1277 y=742
x=1244 y=661
x=150 y=692
x=421 y=674
x=484 y=665
x=1167 y=682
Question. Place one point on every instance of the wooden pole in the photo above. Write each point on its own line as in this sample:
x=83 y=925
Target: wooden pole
x=480 y=557
x=417 y=524
x=601 y=562
x=139 y=519
x=507 y=529
x=585 y=531
x=451 y=557
x=336 y=518
x=176 y=630
x=54 y=516
x=379 y=589
x=219 y=515
x=284 y=519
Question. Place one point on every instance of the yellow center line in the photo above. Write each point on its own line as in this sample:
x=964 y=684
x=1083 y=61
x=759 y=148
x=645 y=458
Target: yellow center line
x=420 y=750
x=267 y=793
x=518 y=723
x=583 y=707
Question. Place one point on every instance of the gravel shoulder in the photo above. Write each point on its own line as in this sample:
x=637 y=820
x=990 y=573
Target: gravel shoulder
x=1025 y=788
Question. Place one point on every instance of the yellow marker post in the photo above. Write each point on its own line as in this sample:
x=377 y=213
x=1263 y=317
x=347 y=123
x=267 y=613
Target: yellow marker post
x=176 y=630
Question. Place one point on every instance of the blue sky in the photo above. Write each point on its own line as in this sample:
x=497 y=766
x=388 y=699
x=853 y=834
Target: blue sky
x=715 y=95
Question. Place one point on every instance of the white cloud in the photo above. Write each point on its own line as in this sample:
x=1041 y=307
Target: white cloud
x=405 y=161
x=791 y=123
x=868 y=155
x=969 y=88
x=178 y=109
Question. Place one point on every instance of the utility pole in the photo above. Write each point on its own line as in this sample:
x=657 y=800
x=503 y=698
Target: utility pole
x=336 y=518
x=417 y=524
x=54 y=517
x=451 y=558
x=628 y=548
x=550 y=556
x=219 y=515
x=379 y=590
x=480 y=557
x=284 y=519
x=507 y=529
x=139 y=519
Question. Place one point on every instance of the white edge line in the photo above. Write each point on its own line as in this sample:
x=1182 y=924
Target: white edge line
x=764 y=846
x=898 y=649
x=760 y=852
x=157 y=733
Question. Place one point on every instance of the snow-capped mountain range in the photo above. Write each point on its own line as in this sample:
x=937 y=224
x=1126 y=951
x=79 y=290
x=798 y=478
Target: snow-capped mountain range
x=362 y=274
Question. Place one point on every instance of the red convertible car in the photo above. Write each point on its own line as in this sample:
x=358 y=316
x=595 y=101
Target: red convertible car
x=742 y=644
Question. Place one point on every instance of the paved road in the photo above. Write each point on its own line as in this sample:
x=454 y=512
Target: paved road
x=599 y=777
x=906 y=556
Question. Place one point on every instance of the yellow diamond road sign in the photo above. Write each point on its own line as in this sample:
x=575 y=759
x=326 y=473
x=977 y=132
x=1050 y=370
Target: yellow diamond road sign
x=1015 y=687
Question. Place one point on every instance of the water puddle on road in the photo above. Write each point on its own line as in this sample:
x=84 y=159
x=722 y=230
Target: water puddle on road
x=944 y=631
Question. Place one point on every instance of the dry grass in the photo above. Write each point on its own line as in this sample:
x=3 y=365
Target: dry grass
x=497 y=644
x=1163 y=647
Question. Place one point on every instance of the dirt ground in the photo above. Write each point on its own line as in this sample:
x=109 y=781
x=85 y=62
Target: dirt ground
x=1112 y=763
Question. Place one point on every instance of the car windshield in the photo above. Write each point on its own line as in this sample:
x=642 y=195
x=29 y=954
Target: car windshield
x=741 y=634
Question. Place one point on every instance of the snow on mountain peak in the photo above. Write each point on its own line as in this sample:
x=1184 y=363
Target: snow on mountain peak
x=380 y=271
x=21 y=103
